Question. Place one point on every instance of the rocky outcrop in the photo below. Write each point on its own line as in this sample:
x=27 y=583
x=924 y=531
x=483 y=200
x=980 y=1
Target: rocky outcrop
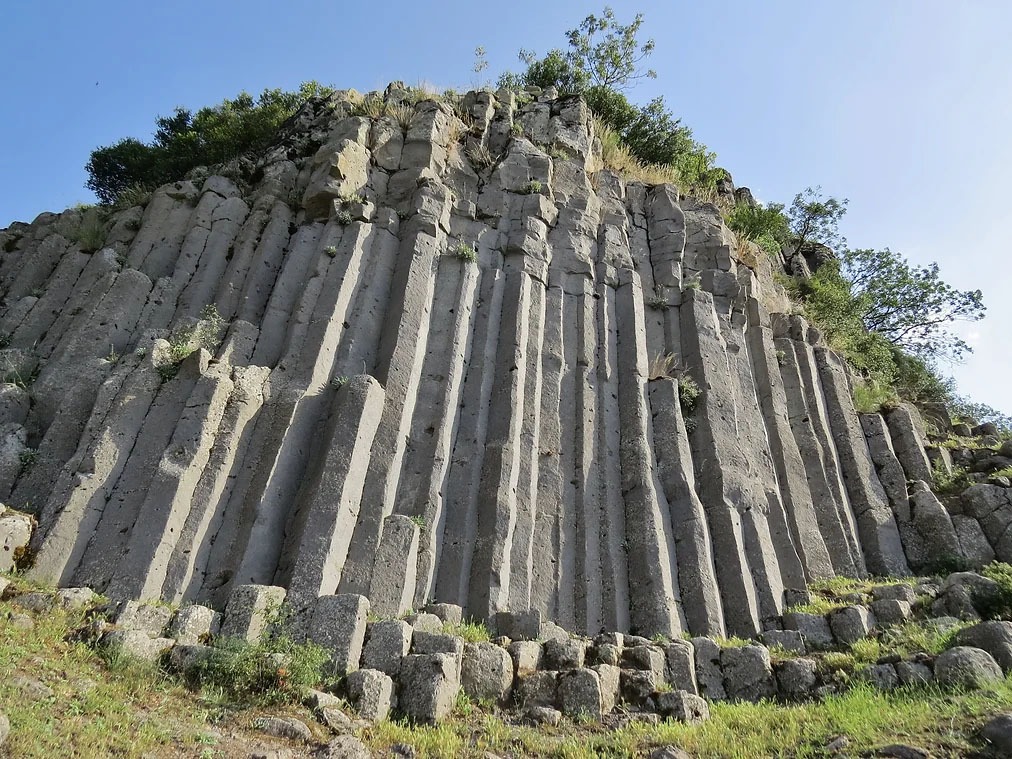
x=460 y=361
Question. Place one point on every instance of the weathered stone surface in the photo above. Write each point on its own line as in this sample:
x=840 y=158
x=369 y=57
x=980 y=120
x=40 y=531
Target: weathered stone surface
x=914 y=673
x=15 y=532
x=882 y=676
x=580 y=694
x=638 y=686
x=994 y=637
x=150 y=619
x=683 y=706
x=796 y=678
x=250 y=610
x=338 y=624
x=137 y=644
x=526 y=655
x=814 y=629
x=344 y=747
x=850 y=624
x=966 y=667
x=486 y=671
x=748 y=672
x=564 y=654
x=194 y=624
x=371 y=693
x=890 y=612
x=450 y=613
x=680 y=666
x=388 y=641
x=543 y=715
x=185 y=657
x=788 y=640
x=708 y=675
x=524 y=625
x=428 y=686
x=997 y=734
x=537 y=689
x=284 y=727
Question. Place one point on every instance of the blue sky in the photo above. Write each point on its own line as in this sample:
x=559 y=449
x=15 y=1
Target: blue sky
x=902 y=106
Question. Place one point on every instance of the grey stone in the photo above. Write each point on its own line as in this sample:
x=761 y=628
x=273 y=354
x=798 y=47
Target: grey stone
x=137 y=644
x=564 y=654
x=882 y=676
x=284 y=727
x=437 y=643
x=428 y=686
x=526 y=655
x=371 y=693
x=890 y=612
x=250 y=610
x=796 y=678
x=543 y=715
x=966 y=667
x=683 y=706
x=150 y=619
x=344 y=747
x=319 y=700
x=748 y=672
x=425 y=622
x=610 y=678
x=644 y=657
x=185 y=658
x=194 y=624
x=914 y=673
x=579 y=694
x=709 y=678
x=388 y=641
x=995 y=637
x=850 y=624
x=338 y=624
x=814 y=628
x=449 y=613
x=638 y=686
x=36 y=601
x=997 y=733
x=788 y=640
x=896 y=592
x=903 y=751
x=486 y=672
x=5 y=728
x=77 y=598
x=525 y=625
x=604 y=653
x=669 y=752
x=680 y=666
x=537 y=689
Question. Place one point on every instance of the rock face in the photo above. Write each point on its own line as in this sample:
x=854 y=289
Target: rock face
x=439 y=360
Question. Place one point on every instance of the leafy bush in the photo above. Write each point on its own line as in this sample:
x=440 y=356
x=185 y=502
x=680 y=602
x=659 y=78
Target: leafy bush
x=766 y=225
x=688 y=393
x=871 y=397
x=243 y=125
x=275 y=670
x=997 y=603
x=465 y=252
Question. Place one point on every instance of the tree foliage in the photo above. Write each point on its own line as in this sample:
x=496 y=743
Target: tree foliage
x=813 y=218
x=910 y=306
x=604 y=59
x=185 y=140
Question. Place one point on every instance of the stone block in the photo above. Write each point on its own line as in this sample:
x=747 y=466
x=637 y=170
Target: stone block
x=387 y=642
x=683 y=706
x=580 y=694
x=564 y=654
x=680 y=666
x=708 y=675
x=538 y=689
x=371 y=693
x=184 y=658
x=796 y=678
x=451 y=614
x=610 y=678
x=995 y=637
x=194 y=624
x=76 y=598
x=914 y=673
x=486 y=672
x=604 y=653
x=137 y=644
x=638 y=686
x=425 y=623
x=814 y=629
x=644 y=657
x=522 y=625
x=249 y=610
x=150 y=619
x=436 y=643
x=882 y=676
x=788 y=640
x=748 y=673
x=526 y=655
x=428 y=686
x=966 y=667
x=851 y=624
x=338 y=624
x=889 y=611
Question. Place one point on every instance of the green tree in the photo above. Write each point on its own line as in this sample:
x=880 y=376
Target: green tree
x=815 y=219
x=608 y=52
x=910 y=306
x=184 y=140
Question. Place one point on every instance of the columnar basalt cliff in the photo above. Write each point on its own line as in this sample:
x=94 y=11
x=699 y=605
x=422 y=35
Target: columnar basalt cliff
x=458 y=368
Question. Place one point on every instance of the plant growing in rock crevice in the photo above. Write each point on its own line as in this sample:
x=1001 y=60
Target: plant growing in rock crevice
x=206 y=333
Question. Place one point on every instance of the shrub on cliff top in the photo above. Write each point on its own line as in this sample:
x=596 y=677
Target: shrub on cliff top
x=185 y=140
